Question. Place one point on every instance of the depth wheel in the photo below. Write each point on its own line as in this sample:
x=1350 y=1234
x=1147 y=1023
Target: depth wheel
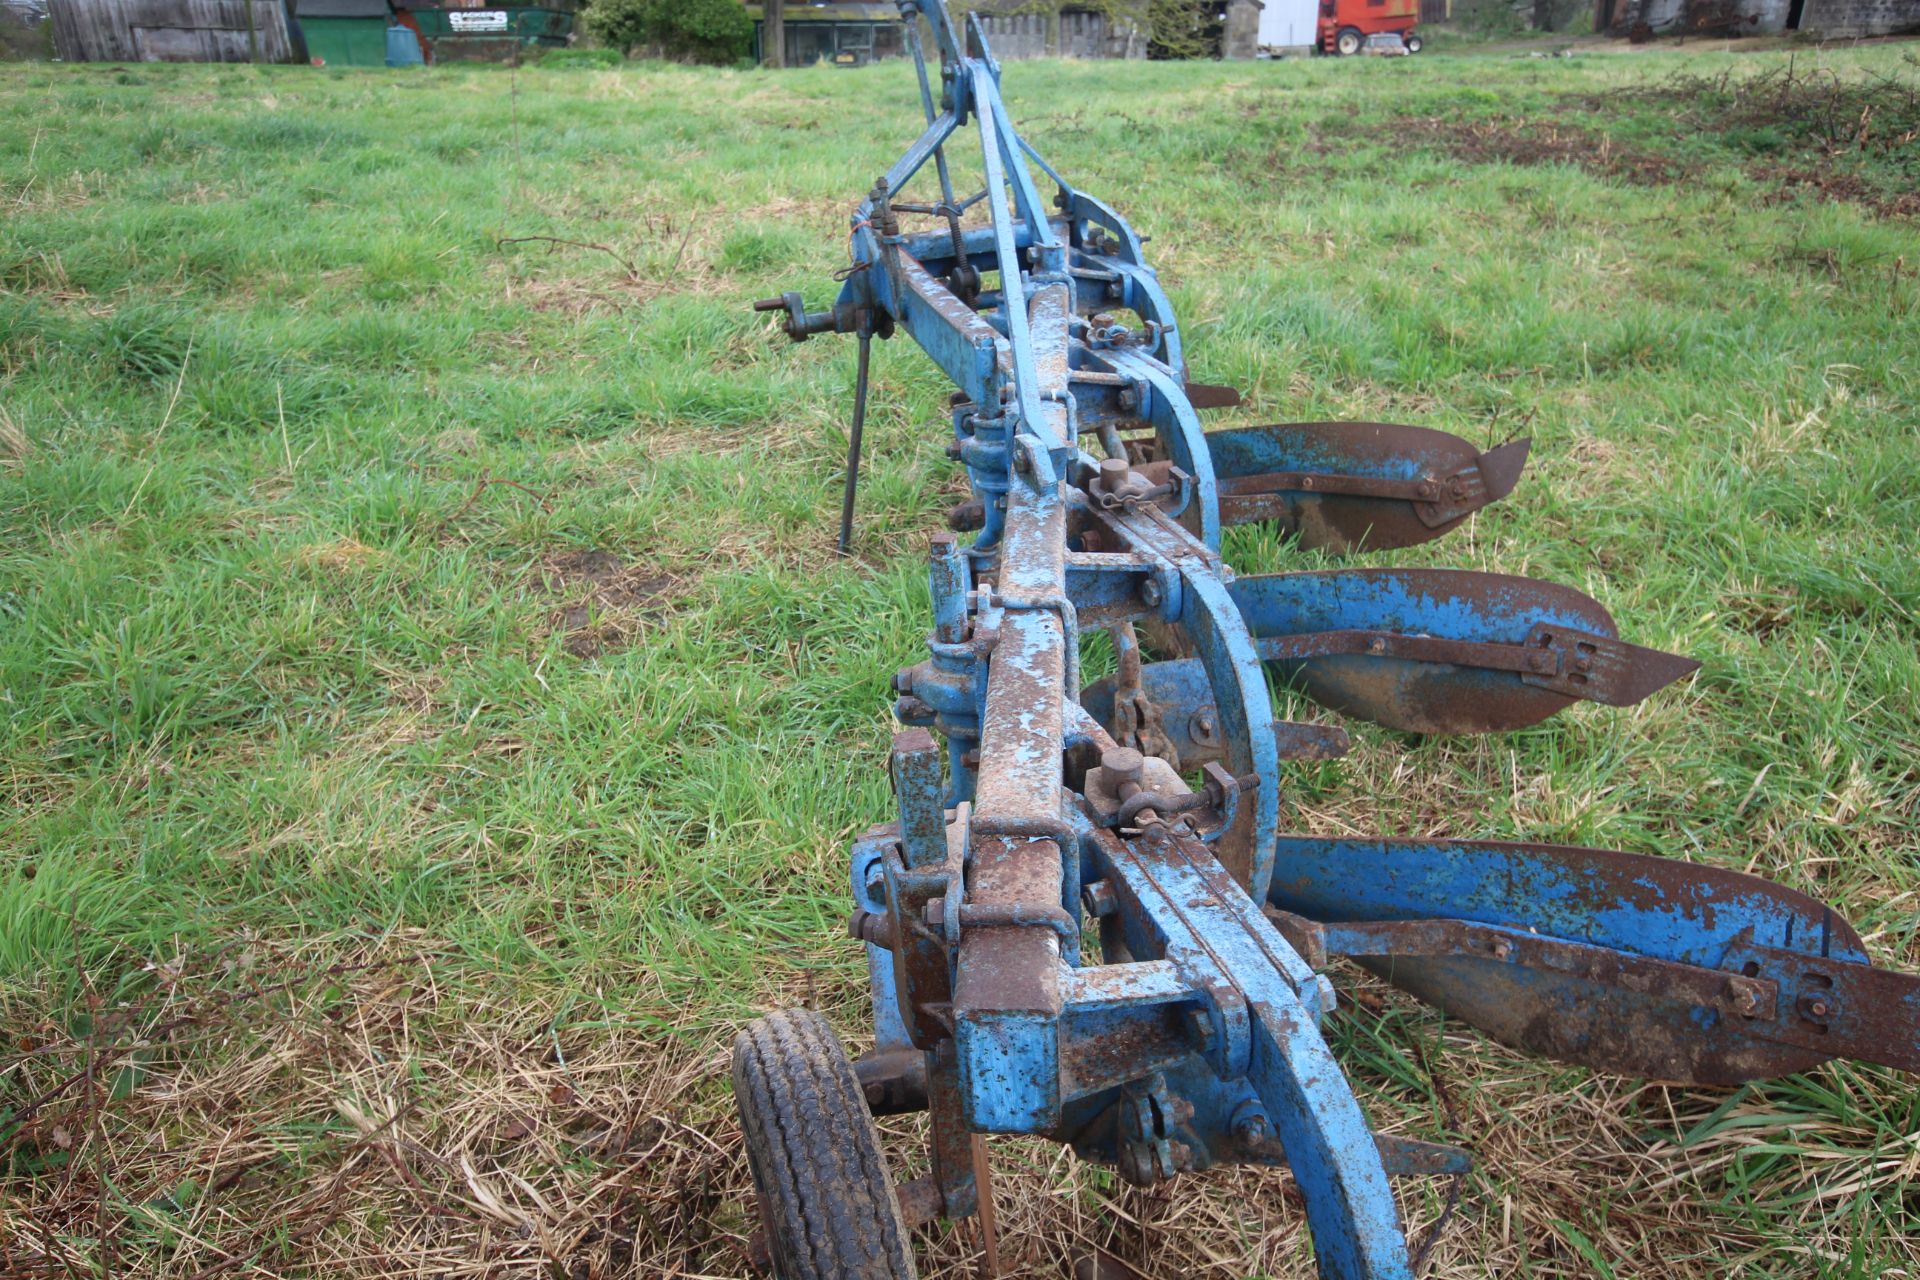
x=826 y=1199
x=1348 y=42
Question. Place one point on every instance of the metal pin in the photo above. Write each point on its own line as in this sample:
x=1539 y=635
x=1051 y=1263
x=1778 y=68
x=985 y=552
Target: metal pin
x=853 y=440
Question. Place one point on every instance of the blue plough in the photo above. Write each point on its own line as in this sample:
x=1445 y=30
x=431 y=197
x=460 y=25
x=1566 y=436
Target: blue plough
x=1085 y=922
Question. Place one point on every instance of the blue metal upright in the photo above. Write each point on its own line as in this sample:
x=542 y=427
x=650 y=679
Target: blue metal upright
x=1084 y=922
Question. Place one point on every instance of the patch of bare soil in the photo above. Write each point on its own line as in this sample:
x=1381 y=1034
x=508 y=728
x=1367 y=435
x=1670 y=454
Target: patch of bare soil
x=1515 y=140
x=606 y=601
x=1838 y=187
x=1812 y=132
x=1818 y=126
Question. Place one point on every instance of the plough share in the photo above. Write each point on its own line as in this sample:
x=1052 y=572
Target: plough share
x=1085 y=922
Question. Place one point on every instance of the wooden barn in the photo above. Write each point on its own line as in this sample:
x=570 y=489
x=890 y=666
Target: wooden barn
x=176 y=31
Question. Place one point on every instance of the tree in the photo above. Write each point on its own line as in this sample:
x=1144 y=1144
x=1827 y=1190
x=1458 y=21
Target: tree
x=717 y=31
x=1184 y=29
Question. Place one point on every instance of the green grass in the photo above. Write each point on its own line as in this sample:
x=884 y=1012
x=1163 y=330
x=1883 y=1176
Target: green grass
x=295 y=453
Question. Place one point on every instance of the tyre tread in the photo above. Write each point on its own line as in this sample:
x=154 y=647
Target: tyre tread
x=828 y=1197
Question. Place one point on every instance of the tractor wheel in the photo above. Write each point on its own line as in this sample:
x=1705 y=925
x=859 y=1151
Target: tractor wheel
x=1348 y=42
x=1413 y=42
x=826 y=1199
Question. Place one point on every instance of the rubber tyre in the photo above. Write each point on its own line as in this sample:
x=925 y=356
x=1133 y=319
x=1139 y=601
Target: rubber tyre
x=826 y=1198
x=1348 y=42
x=1414 y=43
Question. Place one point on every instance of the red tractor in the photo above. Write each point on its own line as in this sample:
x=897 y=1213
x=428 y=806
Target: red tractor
x=1346 y=24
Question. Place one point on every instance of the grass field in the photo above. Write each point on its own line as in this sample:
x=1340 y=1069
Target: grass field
x=433 y=719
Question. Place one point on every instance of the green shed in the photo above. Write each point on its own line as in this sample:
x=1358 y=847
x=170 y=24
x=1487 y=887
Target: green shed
x=346 y=33
x=463 y=32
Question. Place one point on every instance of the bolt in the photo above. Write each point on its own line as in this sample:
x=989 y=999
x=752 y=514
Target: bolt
x=1098 y=899
x=1541 y=662
x=1150 y=594
x=1818 y=1008
x=1023 y=461
x=1203 y=726
x=1377 y=645
x=1129 y=399
x=1114 y=473
x=1201 y=1026
x=876 y=1093
x=1425 y=489
x=1306 y=482
x=1123 y=764
x=1502 y=948
x=903 y=680
x=1251 y=1127
x=1583 y=664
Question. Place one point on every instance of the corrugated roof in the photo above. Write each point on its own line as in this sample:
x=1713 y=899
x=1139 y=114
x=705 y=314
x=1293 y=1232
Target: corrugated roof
x=833 y=12
x=340 y=8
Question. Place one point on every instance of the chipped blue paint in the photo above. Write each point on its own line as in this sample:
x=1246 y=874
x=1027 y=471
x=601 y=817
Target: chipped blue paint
x=1454 y=603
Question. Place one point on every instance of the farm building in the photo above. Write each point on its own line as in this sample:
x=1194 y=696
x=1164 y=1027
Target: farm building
x=1288 y=25
x=1828 y=19
x=175 y=31
x=851 y=34
x=799 y=35
x=339 y=32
